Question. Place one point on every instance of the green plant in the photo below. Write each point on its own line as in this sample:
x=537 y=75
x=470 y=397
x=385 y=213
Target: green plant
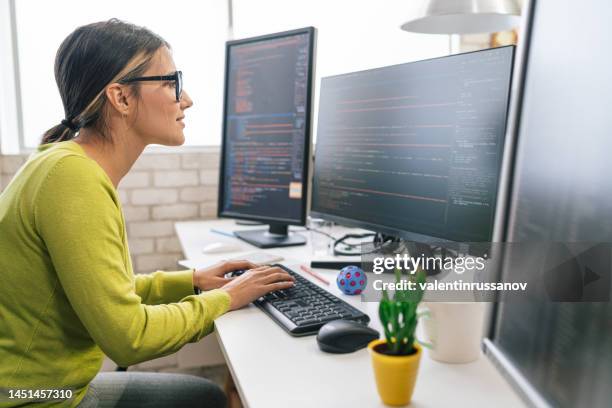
x=398 y=315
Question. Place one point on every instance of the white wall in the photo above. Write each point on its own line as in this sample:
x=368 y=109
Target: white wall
x=353 y=35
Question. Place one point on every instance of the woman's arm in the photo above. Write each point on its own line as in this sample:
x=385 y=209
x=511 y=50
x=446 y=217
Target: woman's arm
x=164 y=287
x=77 y=216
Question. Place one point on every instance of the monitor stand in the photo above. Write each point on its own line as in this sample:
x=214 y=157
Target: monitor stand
x=277 y=236
x=427 y=251
x=246 y=222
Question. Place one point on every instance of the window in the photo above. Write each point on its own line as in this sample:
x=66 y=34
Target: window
x=9 y=130
x=352 y=35
x=196 y=30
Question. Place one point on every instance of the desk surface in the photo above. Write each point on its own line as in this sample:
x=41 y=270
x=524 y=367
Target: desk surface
x=272 y=369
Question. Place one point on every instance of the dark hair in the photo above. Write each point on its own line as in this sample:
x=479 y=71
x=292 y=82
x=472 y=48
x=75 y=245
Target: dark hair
x=90 y=58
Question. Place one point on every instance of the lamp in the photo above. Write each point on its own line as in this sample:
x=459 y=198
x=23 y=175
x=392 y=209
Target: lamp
x=464 y=17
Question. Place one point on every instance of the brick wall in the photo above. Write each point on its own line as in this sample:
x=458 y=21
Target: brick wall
x=160 y=189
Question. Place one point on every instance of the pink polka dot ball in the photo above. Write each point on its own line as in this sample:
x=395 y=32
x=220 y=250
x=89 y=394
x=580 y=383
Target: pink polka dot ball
x=351 y=280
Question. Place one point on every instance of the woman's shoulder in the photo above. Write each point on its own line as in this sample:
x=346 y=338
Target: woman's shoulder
x=64 y=172
x=73 y=190
x=55 y=165
x=60 y=181
x=68 y=162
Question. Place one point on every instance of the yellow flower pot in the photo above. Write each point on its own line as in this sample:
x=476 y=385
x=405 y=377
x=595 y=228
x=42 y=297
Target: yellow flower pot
x=395 y=375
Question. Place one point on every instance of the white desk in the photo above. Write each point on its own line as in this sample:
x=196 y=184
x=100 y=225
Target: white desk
x=272 y=369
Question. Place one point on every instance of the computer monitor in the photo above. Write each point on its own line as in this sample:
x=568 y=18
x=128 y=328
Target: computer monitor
x=414 y=150
x=559 y=353
x=266 y=153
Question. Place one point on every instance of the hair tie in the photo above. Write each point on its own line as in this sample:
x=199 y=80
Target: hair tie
x=68 y=123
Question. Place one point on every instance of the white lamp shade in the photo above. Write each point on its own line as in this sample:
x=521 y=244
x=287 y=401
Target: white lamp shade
x=465 y=17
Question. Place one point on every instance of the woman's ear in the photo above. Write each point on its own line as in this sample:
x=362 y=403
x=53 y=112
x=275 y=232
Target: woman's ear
x=118 y=98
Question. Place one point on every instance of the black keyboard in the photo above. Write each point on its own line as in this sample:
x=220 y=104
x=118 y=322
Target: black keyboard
x=304 y=308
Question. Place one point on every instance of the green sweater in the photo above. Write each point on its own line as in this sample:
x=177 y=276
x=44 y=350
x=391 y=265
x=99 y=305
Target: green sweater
x=67 y=290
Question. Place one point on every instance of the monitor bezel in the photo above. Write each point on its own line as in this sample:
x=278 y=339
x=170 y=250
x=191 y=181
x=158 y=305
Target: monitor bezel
x=307 y=159
x=412 y=235
x=509 y=370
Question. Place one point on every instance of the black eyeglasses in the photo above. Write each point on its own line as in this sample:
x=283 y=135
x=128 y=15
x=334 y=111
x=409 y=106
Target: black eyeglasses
x=177 y=77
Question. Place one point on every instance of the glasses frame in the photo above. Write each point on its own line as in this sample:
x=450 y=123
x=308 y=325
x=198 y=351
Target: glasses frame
x=177 y=77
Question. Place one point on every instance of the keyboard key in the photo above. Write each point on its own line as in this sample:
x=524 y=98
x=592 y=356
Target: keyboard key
x=307 y=322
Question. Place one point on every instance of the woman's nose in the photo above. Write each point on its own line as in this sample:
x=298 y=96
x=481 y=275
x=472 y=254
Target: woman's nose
x=186 y=101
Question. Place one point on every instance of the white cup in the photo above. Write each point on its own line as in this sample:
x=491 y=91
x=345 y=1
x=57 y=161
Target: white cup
x=453 y=330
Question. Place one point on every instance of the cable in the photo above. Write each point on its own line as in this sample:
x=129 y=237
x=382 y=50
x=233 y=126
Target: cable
x=349 y=245
x=321 y=232
x=380 y=241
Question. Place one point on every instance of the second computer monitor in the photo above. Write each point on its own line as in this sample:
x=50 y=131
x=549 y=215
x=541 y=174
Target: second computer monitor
x=266 y=134
x=414 y=150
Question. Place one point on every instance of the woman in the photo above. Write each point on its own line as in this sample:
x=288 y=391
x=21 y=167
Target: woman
x=68 y=293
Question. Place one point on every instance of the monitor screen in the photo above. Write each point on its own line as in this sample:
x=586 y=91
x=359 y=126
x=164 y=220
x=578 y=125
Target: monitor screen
x=266 y=128
x=414 y=150
x=559 y=354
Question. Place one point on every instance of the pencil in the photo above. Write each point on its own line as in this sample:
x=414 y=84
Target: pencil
x=314 y=274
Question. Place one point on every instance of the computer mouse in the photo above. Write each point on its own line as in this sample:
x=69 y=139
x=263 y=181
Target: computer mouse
x=345 y=336
x=220 y=247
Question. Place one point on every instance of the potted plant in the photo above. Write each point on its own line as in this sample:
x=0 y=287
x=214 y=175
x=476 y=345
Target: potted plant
x=396 y=358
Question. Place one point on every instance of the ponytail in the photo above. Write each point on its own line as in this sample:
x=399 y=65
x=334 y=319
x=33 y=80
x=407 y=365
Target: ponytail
x=66 y=130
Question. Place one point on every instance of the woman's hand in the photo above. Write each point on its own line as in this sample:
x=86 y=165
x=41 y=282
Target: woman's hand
x=255 y=283
x=213 y=276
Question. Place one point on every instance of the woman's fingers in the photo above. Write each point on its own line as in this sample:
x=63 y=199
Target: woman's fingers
x=279 y=286
x=267 y=269
x=236 y=265
x=255 y=283
x=260 y=268
x=278 y=277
